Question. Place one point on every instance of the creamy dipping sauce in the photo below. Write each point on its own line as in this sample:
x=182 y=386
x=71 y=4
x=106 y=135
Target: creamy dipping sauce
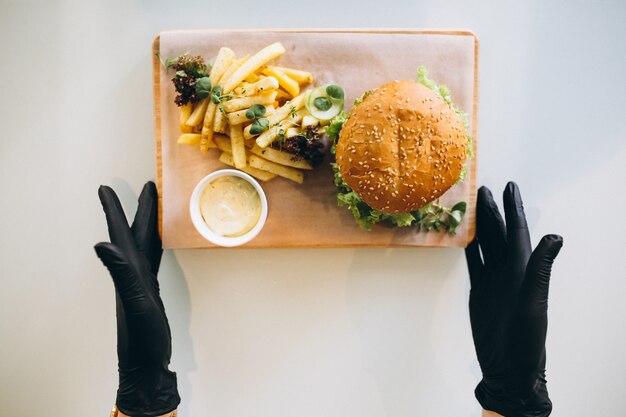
x=230 y=206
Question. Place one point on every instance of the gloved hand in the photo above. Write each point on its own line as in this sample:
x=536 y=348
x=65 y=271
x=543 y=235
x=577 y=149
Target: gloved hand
x=147 y=387
x=509 y=307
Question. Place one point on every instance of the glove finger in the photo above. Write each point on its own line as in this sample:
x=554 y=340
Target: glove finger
x=474 y=262
x=125 y=279
x=538 y=273
x=490 y=229
x=517 y=236
x=145 y=226
x=119 y=232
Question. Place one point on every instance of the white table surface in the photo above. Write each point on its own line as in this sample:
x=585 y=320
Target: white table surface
x=304 y=332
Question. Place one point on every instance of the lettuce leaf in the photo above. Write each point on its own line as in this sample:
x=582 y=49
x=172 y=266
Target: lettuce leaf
x=336 y=123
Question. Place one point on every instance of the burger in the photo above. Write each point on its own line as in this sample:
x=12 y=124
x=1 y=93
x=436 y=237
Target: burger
x=400 y=148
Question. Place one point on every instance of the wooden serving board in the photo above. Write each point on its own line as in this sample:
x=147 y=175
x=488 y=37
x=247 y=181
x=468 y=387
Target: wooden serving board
x=307 y=215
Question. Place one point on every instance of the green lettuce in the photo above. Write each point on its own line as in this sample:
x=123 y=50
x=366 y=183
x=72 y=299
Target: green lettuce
x=336 y=123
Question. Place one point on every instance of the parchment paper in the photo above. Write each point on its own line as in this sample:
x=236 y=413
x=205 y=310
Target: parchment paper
x=307 y=215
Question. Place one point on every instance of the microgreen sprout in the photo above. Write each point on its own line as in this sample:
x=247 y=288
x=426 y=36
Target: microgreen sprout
x=203 y=87
x=259 y=126
x=216 y=95
x=256 y=111
x=322 y=103
x=334 y=91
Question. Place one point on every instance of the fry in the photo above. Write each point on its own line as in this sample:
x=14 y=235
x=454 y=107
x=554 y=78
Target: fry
x=185 y=112
x=198 y=113
x=227 y=159
x=245 y=102
x=238 y=149
x=281 y=113
x=289 y=85
x=223 y=60
x=239 y=116
x=269 y=110
x=189 y=139
x=252 y=78
x=223 y=143
x=207 y=128
x=280 y=157
x=267 y=83
x=285 y=172
x=233 y=67
x=276 y=130
x=219 y=124
x=302 y=77
x=283 y=95
x=293 y=131
x=252 y=64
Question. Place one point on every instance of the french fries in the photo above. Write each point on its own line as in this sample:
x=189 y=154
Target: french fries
x=279 y=129
x=249 y=92
x=190 y=139
x=252 y=64
x=207 y=128
x=260 y=174
x=234 y=67
x=289 y=85
x=280 y=157
x=247 y=102
x=222 y=63
x=252 y=78
x=292 y=132
x=195 y=118
x=239 y=116
x=220 y=122
x=280 y=114
x=223 y=144
x=185 y=112
x=238 y=148
x=281 y=170
x=283 y=95
x=301 y=77
x=264 y=84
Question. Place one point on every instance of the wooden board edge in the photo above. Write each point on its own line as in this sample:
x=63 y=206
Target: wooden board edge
x=471 y=233
x=156 y=92
x=324 y=246
x=435 y=31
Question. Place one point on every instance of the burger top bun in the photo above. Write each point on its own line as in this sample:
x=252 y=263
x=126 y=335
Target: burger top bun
x=401 y=148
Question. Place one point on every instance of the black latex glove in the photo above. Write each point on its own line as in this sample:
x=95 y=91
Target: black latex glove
x=147 y=387
x=509 y=307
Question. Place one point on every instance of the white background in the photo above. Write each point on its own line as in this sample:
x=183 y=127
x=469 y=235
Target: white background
x=304 y=332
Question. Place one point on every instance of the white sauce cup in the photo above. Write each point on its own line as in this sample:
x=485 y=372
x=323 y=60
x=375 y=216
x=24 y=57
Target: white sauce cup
x=203 y=228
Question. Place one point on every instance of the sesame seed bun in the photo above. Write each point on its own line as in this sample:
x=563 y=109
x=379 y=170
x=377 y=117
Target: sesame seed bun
x=401 y=148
